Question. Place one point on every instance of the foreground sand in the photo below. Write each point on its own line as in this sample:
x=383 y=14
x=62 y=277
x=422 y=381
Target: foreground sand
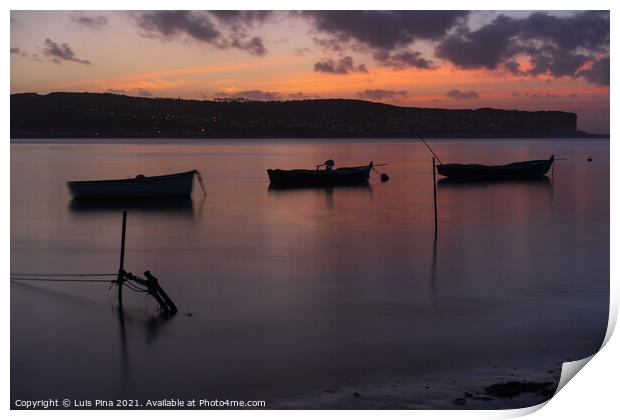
x=495 y=388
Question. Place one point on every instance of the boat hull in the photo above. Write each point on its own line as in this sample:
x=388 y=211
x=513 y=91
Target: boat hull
x=174 y=185
x=531 y=169
x=320 y=177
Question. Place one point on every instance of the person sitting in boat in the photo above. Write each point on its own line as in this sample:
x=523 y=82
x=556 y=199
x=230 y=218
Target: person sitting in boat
x=329 y=164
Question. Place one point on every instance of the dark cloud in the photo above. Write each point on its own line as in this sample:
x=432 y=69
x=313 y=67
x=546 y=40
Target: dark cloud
x=242 y=17
x=329 y=44
x=555 y=45
x=344 y=65
x=59 y=53
x=253 y=46
x=402 y=59
x=20 y=53
x=384 y=29
x=378 y=94
x=598 y=73
x=96 y=22
x=169 y=24
x=254 y=95
x=221 y=29
x=459 y=94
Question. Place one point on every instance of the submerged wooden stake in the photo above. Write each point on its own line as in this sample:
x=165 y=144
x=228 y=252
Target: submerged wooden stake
x=435 y=194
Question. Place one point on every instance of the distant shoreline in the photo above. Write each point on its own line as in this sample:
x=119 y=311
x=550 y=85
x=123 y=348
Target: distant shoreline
x=146 y=140
x=102 y=115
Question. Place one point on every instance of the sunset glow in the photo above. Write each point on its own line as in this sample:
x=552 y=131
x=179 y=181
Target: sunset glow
x=297 y=55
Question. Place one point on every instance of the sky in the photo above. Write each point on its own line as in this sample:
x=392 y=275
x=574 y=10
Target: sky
x=439 y=59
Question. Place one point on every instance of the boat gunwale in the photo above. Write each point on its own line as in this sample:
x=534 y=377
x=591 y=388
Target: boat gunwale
x=324 y=171
x=479 y=165
x=135 y=179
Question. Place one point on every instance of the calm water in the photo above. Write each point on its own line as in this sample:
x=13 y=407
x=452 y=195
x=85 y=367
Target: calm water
x=302 y=290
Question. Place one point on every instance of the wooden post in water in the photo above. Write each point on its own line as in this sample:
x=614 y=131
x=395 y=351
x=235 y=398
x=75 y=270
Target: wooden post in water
x=121 y=269
x=435 y=194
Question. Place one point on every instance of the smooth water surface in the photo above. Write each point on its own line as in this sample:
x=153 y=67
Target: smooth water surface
x=292 y=291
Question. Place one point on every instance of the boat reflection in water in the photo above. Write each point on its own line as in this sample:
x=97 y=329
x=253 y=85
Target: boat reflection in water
x=282 y=191
x=542 y=182
x=173 y=205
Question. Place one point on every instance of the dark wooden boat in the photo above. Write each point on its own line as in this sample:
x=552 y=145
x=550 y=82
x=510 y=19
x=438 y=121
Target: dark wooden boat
x=173 y=185
x=530 y=169
x=319 y=177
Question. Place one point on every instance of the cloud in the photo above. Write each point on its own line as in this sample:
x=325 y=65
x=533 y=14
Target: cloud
x=378 y=94
x=384 y=35
x=253 y=46
x=253 y=95
x=384 y=29
x=242 y=17
x=329 y=44
x=553 y=45
x=95 y=23
x=344 y=65
x=59 y=53
x=169 y=24
x=598 y=73
x=460 y=95
x=402 y=59
x=302 y=51
x=221 y=29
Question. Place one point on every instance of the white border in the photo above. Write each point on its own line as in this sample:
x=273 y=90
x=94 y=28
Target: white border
x=593 y=394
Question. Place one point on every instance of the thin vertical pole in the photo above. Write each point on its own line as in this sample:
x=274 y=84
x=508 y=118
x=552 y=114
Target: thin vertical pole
x=435 y=194
x=121 y=268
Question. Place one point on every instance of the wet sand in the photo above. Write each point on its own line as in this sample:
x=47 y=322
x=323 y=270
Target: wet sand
x=492 y=389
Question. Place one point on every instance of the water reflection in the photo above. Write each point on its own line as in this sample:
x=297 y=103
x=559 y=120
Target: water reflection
x=327 y=192
x=314 y=281
x=359 y=187
x=543 y=182
x=177 y=205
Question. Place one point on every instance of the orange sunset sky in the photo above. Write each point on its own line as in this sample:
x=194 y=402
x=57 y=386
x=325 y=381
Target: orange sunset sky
x=442 y=59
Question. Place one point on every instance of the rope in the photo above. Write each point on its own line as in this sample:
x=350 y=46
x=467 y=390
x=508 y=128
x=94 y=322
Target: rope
x=57 y=279
x=199 y=176
x=62 y=275
x=429 y=148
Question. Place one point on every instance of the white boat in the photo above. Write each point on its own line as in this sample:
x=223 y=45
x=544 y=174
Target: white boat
x=172 y=185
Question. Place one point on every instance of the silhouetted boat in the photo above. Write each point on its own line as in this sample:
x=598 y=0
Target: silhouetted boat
x=173 y=185
x=319 y=177
x=530 y=169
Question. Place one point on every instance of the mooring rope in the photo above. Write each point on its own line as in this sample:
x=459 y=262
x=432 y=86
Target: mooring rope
x=202 y=186
x=63 y=274
x=60 y=279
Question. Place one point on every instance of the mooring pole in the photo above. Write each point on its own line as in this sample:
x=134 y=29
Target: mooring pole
x=435 y=195
x=121 y=269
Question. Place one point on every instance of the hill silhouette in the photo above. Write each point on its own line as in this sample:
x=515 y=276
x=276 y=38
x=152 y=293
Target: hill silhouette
x=105 y=115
